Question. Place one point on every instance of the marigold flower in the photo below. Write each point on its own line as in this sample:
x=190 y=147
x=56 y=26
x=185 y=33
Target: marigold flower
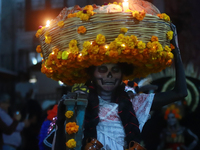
x=170 y=35
x=100 y=39
x=71 y=143
x=164 y=16
x=71 y=127
x=38 y=49
x=139 y=15
x=65 y=55
x=61 y=24
x=124 y=30
x=84 y=17
x=81 y=29
x=172 y=46
x=149 y=45
x=88 y=7
x=48 y=39
x=167 y=48
x=38 y=33
x=69 y=114
x=154 y=38
x=86 y=44
x=141 y=45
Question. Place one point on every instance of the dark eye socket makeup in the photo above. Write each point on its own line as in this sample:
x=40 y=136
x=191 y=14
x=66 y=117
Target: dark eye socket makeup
x=104 y=69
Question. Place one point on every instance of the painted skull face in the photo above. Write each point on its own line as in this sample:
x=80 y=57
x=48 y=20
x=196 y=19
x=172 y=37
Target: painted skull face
x=171 y=119
x=108 y=76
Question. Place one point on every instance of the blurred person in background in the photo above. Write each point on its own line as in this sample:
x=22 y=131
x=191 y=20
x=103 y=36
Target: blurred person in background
x=12 y=141
x=175 y=136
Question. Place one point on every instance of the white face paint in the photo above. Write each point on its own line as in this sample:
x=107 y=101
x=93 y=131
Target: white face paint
x=171 y=120
x=108 y=76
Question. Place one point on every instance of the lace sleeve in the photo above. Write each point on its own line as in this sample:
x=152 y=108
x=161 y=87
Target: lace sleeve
x=142 y=105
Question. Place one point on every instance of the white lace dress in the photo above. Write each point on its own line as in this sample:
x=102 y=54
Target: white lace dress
x=110 y=131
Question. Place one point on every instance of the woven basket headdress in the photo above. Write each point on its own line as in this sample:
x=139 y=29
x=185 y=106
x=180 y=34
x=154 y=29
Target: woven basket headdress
x=82 y=37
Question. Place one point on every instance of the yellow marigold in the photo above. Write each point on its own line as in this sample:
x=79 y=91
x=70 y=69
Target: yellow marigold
x=71 y=127
x=38 y=33
x=139 y=15
x=71 y=143
x=95 y=49
x=65 y=55
x=84 y=52
x=61 y=24
x=120 y=4
x=124 y=30
x=167 y=48
x=115 y=3
x=141 y=45
x=86 y=44
x=90 y=13
x=81 y=29
x=88 y=7
x=170 y=35
x=59 y=56
x=38 y=49
x=164 y=16
x=48 y=39
x=169 y=55
x=74 y=50
x=149 y=45
x=154 y=38
x=72 y=43
x=69 y=114
x=157 y=46
x=134 y=38
x=79 y=14
x=100 y=39
x=84 y=17
x=41 y=55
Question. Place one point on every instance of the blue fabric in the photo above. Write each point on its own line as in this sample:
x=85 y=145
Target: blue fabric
x=43 y=133
x=8 y=147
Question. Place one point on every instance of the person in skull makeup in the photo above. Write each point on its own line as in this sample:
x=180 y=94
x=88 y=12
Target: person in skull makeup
x=112 y=117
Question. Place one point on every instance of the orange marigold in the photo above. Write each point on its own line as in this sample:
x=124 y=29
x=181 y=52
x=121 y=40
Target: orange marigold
x=38 y=49
x=71 y=127
x=154 y=38
x=81 y=29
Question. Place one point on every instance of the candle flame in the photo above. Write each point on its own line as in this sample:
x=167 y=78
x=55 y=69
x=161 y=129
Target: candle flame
x=48 y=23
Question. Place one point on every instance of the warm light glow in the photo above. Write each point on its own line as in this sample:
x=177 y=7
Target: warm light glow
x=123 y=45
x=106 y=46
x=125 y=5
x=48 y=23
x=91 y=43
x=80 y=54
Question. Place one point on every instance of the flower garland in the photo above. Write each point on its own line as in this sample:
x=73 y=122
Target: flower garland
x=71 y=128
x=69 y=65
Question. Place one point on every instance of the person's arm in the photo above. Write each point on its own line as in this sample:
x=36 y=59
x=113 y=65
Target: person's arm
x=192 y=145
x=180 y=89
x=8 y=129
x=60 y=139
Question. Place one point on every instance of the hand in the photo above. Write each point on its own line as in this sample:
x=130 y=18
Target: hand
x=18 y=116
x=174 y=41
